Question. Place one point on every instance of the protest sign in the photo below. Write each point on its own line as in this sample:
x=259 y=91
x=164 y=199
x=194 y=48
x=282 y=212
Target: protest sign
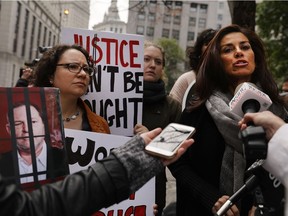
x=116 y=90
x=86 y=148
x=31 y=125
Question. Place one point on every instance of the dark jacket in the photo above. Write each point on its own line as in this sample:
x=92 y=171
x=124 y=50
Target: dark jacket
x=105 y=183
x=22 y=83
x=197 y=171
x=160 y=114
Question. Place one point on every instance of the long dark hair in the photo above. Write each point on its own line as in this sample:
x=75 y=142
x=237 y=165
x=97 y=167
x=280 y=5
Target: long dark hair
x=211 y=74
x=194 y=53
x=46 y=66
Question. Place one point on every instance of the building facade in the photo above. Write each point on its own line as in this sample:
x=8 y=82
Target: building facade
x=27 y=24
x=111 y=21
x=181 y=20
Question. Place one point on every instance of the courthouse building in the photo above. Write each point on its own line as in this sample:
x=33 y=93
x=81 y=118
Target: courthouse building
x=181 y=20
x=27 y=24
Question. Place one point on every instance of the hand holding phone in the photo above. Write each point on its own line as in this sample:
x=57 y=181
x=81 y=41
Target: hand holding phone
x=167 y=143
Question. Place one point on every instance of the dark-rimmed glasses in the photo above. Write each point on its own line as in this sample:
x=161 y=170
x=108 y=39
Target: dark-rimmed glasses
x=76 y=68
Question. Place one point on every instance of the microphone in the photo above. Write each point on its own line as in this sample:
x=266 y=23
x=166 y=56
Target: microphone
x=250 y=184
x=249 y=99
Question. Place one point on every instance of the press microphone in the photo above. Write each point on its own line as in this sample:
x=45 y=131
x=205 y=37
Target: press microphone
x=249 y=99
x=250 y=184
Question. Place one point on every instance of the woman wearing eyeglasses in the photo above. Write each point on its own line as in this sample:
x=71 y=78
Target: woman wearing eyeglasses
x=69 y=68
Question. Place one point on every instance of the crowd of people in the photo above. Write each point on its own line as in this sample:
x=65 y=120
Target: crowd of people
x=207 y=173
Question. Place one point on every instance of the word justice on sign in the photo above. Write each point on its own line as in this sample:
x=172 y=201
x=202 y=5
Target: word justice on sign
x=124 y=51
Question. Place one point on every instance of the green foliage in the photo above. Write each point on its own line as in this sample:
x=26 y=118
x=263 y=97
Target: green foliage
x=272 y=22
x=174 y=55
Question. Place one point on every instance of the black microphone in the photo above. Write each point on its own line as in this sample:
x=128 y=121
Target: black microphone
x=250 y=184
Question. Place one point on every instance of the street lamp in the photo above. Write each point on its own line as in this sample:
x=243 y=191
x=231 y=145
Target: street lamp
x=66 y=11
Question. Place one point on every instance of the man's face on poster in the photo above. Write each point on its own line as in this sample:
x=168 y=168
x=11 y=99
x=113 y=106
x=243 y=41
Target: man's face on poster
x=22 y=131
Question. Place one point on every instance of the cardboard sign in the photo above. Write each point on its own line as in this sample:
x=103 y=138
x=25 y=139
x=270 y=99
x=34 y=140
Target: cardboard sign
x=86 y=148
x=116 y=90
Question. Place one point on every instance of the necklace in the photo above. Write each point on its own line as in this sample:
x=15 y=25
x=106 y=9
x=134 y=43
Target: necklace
x=72 y=117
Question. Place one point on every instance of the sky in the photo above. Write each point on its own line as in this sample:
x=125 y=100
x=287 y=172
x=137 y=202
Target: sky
x=99 y=7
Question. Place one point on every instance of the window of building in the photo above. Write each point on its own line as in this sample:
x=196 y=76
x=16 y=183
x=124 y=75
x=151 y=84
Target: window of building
x=141 y=15
x=177 y=20
x=203 y=8
x=221 y=5
x=49 y=38
x=32 y=37
x=193 y=7
x=111 y=29
x=39 y=34
x=168 y=3
x=167 y=18
x=202 y=23
x=178 y=4
x=150 y=31
x=165 y=33
x=220 y=17
x=175 y=34
x=190 y=36
x=16 y=32
x=151 y=16
x=120 y=30
x=54 y=40
x=192 y=21
x=25 y=32
x=140 y=30
x=44 y=36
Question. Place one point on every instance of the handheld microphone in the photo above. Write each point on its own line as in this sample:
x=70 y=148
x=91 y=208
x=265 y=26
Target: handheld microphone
x=250 y=184
x=249 y=99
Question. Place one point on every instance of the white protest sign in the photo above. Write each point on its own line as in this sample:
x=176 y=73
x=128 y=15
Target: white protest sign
x=87 y=148
x=116 y=90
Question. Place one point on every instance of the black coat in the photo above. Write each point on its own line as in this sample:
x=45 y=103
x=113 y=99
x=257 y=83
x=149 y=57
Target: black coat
x=197 y=172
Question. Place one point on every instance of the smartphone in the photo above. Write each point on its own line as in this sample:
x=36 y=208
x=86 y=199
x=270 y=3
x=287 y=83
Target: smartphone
x=166 y=144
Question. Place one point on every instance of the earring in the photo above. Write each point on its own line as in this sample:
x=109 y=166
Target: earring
x=51 y=82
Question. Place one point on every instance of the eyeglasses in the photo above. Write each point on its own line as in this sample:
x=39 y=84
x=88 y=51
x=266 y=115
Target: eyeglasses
x=76 y=68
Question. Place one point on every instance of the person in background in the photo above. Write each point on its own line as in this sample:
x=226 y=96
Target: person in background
x=215 y=166
x=69 y=68
x=284 y=92
x=182 y=86
x=277 y=154
x=182 y=83
x=159 y=109
x=284 y=87
x=26 y=76
x=123 y=172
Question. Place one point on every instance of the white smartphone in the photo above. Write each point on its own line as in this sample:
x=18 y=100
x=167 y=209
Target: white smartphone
x=167 y=143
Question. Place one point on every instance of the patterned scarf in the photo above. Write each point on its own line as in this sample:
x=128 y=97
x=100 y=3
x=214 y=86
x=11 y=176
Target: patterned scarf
x=233 y=162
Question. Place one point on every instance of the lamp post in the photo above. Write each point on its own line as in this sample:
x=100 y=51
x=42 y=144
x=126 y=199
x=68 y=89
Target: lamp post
x=66 y=12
